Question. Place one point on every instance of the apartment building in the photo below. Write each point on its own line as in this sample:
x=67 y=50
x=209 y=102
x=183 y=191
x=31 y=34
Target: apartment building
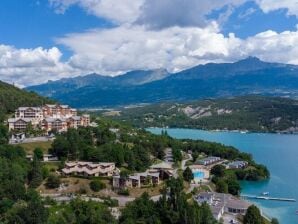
x=51 y=117
x=89 y=169
x=58 y=111
x=19 y=124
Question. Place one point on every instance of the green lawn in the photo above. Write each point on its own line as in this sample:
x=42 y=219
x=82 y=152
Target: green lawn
x=29 y=147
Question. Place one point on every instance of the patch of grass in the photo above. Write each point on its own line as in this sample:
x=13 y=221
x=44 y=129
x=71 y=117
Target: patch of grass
x=29 y=147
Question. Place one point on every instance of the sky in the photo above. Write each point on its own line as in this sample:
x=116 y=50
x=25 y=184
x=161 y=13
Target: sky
x=43 y=40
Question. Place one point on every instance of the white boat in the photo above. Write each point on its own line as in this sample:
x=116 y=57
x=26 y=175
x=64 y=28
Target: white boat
x=265 y=193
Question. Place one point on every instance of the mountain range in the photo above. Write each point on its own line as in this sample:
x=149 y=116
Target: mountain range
x=212 y=80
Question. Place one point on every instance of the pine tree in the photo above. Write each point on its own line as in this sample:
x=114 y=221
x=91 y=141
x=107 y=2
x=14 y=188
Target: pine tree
x=35 y=176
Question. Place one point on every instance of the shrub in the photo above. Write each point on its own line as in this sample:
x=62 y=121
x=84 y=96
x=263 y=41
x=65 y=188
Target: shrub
x=124 y=192
x=97 y=185
x=53 y=181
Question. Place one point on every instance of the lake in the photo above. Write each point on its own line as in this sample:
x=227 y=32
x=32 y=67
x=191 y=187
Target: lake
x=278 y=152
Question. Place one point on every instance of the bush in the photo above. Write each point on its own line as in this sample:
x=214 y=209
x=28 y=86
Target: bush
x=124 y=192
x=53 y=181
x=97 y=185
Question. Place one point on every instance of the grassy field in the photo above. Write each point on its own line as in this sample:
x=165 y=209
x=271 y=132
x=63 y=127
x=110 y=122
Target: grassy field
x=29 y=147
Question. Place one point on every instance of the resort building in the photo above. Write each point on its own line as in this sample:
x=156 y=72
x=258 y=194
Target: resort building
x=19 y=124
x=222 y=203
x=237 y=165
x=58 y=111
x=164 y=169
x=49 y=118
x=54 y=124
x=152 y=176
x=209 y=160
x=33 y=113
x=137 y=180
x=89 y=169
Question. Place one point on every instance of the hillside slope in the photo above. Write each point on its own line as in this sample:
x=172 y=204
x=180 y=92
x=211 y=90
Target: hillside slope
x=253 y=113
x=245 y=77
x=12 y=97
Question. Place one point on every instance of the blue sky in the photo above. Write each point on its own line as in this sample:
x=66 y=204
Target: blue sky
x=52 y=39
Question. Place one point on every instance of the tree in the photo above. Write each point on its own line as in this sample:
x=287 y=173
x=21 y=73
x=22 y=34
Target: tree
x=142 y=210
x=253 y=216
x=221 y=186
x=53 y=181
x=188 y=175
x=38 y=153
x=274 y=221
x=234 y=187
x=35 y=176
x=97 y=185
x=218 y=170
x=79 y=211
x=3 y=134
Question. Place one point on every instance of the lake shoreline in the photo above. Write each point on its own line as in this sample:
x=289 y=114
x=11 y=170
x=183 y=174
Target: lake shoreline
x=267 y=149
x=231 y=131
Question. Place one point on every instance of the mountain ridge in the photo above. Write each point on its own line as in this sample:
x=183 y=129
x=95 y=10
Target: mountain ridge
x=247 y=76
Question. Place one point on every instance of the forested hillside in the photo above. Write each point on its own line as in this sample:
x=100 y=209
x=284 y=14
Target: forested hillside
x=253 y=113
x=12 y=97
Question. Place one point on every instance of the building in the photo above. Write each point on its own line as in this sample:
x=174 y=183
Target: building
x=222 y=203
x=54 y=124
x=209 y=160
x=89 y=169
x=237 y=165
x=46 y=158
x=168 y=155
x=19 y=124
x=58 y=111
x=33 y=113
x=164 y=169
x=49 y=118
x=136 y=180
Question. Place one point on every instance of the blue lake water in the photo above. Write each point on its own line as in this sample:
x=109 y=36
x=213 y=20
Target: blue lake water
x=278 y=152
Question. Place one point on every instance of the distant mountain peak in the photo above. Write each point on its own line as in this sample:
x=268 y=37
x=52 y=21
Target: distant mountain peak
x=249 y=60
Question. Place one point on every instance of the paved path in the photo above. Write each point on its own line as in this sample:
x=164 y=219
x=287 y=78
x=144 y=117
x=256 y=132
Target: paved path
x=183 y=167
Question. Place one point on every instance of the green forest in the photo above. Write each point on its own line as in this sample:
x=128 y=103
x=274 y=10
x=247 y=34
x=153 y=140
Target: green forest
x=12 y=97
x=252 y=113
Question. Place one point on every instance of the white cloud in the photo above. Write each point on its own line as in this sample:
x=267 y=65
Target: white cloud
x=119 y=11
x=271 y=5
x=134 y=47
x=171 y=34
x=152 y=13
x=113 y=51
x=167 y=13
x=31 y=66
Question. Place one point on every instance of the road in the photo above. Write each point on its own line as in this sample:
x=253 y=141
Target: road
x=183 y=167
